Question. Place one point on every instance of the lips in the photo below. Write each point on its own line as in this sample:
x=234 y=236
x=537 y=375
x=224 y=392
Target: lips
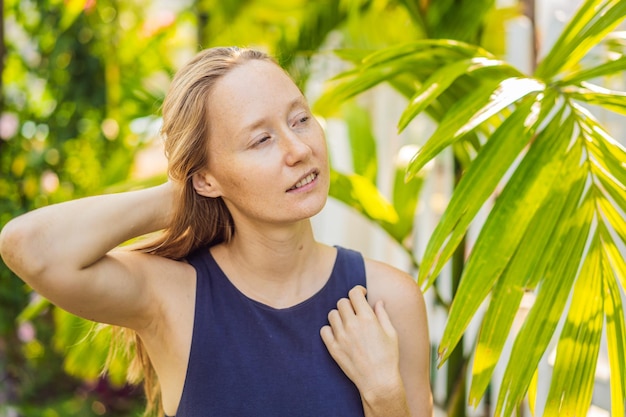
x=307 y=179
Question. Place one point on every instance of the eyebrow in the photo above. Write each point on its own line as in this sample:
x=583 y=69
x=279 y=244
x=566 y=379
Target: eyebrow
x=298 y=101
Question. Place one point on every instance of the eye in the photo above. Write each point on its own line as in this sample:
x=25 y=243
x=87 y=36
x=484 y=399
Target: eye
x=263 y=140
x=301 y=120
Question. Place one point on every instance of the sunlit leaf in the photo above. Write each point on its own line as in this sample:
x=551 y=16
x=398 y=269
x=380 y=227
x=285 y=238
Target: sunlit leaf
x=616 y=258
x=614 y=218
x=541 y=322
x=360 y=194
x=442 y=46
x=71 y=10
x=615 y=327
x=478 y=183
x=532 y=394
x=471 y=111
x=330 y=101
x=579 y=345
x=602 y=70
x=35 y=307
x=85 y=346
x=415 y=14
x=405 y=198
x=608 y=154
x=594 y=95
x=505 y=227
x=594 y=19
x=527 y=262
x=441 y=80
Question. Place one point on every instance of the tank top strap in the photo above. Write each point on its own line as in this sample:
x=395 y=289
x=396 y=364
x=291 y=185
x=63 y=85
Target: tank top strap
x=351 y=267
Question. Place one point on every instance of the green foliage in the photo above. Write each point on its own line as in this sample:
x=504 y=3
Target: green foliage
x=73 y=87
x=553 y=228
x=359 y=189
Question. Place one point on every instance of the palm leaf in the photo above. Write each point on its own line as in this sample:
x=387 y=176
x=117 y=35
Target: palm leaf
x=362 y=141
x=504 y=228
x=460 y=20
x=516 y=279
x=542 y=320
x=479 y=183
x=613 y=261
x=470 y=112
x=441 y=80
x=591 y=94
x=579 y=345
x=609 y=68
x=361 y=194
x=593 y=21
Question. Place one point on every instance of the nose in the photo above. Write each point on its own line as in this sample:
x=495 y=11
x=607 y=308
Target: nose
x=295 y=148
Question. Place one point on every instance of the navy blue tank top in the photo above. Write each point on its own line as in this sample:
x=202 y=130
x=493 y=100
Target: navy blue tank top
x=248 y=359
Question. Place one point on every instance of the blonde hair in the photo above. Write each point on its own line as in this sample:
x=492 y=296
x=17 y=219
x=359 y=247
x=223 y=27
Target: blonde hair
x=197 y=221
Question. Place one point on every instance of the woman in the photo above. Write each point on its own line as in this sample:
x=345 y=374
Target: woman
x=240 y=311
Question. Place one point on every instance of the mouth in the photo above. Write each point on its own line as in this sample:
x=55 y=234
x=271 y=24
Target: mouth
x=307 y=179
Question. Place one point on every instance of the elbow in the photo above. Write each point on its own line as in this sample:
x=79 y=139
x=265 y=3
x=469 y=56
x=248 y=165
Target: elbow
x=16 y=241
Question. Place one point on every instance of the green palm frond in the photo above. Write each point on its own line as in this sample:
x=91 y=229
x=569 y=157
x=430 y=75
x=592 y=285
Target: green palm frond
x=559 y=182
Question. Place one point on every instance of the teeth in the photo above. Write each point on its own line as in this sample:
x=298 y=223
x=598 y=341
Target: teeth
x=304 y=181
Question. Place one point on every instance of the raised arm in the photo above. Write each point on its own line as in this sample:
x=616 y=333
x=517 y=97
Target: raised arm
x=65 y=253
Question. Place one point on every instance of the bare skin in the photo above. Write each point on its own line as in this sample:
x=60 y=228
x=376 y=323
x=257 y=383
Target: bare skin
x=381 y=342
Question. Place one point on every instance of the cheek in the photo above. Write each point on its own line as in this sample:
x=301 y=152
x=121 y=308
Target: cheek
x=320 y=139
x=233 y=180
x=239 y=177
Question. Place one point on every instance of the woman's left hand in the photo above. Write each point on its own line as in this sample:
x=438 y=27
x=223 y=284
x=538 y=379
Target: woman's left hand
x=364 y=344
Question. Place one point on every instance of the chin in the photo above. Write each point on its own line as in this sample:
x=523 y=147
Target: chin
x=311 y=209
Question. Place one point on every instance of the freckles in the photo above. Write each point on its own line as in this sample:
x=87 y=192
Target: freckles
x=238 y=181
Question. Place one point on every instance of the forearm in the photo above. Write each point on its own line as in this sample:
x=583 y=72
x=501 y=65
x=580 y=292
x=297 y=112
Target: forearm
x=77 y=233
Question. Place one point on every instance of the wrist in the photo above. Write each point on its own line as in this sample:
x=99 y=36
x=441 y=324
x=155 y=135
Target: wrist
x=152 y=209
x=388 y=395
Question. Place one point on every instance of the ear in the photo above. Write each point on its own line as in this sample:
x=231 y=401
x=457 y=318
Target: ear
x=206 y=185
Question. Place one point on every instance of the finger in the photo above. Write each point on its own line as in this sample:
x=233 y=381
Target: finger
x=328 y=336
x=334 y=348
x=335 y=320
x=344 y=306
x=358 y=300
x=330 y=341
x=383 y=318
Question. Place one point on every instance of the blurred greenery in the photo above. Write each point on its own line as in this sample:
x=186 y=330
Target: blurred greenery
x=74 y=94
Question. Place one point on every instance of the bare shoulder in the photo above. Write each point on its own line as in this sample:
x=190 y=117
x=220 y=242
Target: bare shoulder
x=404 y=303
x=390 y=284
x=402 y=297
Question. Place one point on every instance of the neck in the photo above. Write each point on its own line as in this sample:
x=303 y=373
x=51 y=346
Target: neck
x=278 y=267
x=275 y=251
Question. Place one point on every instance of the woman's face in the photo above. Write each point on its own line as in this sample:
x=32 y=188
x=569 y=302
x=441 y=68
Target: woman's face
x=267 y=153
